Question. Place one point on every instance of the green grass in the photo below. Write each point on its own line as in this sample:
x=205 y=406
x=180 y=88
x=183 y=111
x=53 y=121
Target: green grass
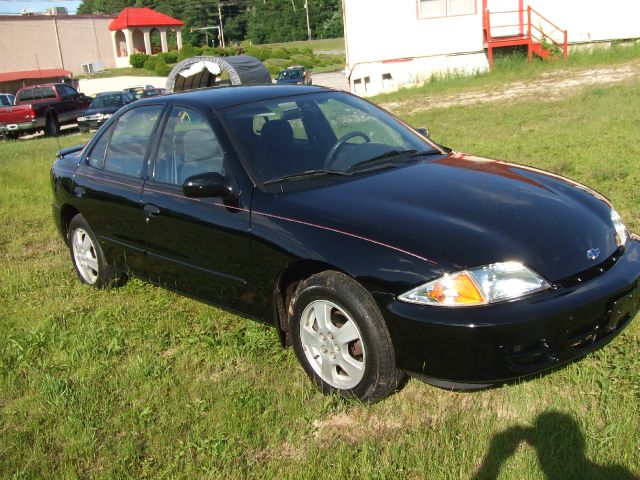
x=514 y=66
x=139 y=382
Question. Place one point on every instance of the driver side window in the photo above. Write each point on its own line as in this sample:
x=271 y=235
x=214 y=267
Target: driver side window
x=344 y=119
x=188 y=147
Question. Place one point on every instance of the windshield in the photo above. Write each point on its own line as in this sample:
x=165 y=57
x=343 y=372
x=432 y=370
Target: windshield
x=334 y=133
x=106 y=101
x=290 y=75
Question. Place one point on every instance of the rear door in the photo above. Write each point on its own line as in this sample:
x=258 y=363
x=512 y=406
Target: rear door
x=109 y=181
x=199 y=246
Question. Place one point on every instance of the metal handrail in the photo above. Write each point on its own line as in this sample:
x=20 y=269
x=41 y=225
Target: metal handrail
x=528 y=34
x=545 y=19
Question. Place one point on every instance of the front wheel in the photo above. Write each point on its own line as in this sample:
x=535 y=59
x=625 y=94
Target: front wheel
x=88 y=258
x=341 y=339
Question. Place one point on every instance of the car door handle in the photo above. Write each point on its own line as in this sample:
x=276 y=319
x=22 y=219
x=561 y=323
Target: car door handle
x=150 y=211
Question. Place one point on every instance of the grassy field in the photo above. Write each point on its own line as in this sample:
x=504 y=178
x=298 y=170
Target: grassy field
x=514 y=67
x=141 y=383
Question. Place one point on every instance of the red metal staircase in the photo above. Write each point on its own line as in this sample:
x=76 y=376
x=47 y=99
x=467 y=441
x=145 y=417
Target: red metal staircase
x=539 y=34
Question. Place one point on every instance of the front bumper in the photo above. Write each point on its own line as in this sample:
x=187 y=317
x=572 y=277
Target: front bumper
x=500 y=342
x=91 y=124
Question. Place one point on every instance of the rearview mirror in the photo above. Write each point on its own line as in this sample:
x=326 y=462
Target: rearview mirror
x=424 y=132
x=210 y=184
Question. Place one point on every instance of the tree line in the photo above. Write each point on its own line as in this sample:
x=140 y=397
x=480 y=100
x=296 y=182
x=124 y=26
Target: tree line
x=260 y=21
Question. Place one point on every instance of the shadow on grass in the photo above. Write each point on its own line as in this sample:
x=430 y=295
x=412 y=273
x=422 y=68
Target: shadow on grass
x=560 y=447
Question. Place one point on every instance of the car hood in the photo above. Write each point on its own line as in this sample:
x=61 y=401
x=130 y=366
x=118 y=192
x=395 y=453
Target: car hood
x=463 y=211
x=94 y=111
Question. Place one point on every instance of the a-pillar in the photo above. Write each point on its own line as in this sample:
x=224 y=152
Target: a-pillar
x=163 y=39
x=146 y=33
x=179 y=38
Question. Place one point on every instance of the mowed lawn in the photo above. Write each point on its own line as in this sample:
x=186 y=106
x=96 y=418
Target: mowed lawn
x=139 y=382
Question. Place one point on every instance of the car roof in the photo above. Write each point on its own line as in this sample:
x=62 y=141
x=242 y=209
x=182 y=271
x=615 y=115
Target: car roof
x=40 y=85
x=115 y=92
x=223 y=97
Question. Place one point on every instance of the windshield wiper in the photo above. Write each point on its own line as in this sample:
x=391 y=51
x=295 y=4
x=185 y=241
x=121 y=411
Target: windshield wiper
x=305 y=174
x=389 y=155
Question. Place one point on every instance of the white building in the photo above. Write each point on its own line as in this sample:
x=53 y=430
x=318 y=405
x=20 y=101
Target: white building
x=390 y=44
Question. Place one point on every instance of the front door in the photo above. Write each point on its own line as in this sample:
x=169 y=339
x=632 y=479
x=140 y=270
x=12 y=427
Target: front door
x=199 y=246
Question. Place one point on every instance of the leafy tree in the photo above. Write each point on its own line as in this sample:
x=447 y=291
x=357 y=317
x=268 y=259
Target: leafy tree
x=261 y=21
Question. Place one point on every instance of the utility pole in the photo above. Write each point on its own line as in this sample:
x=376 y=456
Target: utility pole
x=306 y=7
x=221 y=30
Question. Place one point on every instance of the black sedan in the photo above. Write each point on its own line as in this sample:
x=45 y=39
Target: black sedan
x=372 y=250
x=102 y=107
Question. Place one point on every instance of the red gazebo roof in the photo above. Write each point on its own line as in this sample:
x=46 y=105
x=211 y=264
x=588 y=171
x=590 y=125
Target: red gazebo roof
x=34 y=74
x=143 y=17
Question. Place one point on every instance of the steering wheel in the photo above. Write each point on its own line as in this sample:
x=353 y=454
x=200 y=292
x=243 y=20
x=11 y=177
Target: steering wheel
x=333 y=151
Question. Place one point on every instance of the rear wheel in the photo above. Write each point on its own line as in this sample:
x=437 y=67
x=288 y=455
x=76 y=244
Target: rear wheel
x=341 y=340
x=88 y=258
x=52 y=128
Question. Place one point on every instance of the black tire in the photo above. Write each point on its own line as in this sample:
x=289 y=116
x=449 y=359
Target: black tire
x=52 y=127
x=375 y=354
x=11 y=135
x=90 y=264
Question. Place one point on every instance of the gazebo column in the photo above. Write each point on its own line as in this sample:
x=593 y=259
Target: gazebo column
x=163 y=39
x=114 y=38
x=128 y=36
x=146 y=33
x=179 y=38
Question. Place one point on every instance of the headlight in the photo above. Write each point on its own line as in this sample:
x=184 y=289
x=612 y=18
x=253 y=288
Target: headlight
x=82 y=119
x=478 y=286
x=621 y=231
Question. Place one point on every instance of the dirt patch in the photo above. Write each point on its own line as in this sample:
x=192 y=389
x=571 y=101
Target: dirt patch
x=353 y=428
x=550 y=85
x=287 y=451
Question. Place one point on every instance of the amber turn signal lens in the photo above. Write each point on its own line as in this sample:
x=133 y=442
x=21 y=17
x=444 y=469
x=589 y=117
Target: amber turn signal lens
x=458 y=288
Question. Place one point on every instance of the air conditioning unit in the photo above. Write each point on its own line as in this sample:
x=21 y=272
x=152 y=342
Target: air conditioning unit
x=89 y=68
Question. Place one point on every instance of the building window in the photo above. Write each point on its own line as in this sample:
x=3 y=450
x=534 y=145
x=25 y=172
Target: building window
x=446 y=8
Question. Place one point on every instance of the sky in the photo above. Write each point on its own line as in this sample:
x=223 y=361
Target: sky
x=16 y=6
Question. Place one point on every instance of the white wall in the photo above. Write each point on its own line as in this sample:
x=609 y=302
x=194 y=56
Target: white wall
x=592 y=20
x=378 y=31
x=93 y=86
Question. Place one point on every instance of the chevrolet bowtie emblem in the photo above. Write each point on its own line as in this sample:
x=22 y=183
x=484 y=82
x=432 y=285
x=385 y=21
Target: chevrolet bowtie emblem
x=593 y=253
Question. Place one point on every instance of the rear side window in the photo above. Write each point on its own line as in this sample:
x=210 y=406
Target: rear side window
x=37 y=93
x=47 y=92
x=125 y=144
x=96 y=157
x=26 y=95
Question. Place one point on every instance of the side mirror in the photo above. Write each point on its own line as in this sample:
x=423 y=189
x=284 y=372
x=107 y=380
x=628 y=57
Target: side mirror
x=424 y=132
x=210 y=184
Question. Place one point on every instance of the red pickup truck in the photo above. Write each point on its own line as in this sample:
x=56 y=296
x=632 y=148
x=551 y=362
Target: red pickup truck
x=42 y=107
